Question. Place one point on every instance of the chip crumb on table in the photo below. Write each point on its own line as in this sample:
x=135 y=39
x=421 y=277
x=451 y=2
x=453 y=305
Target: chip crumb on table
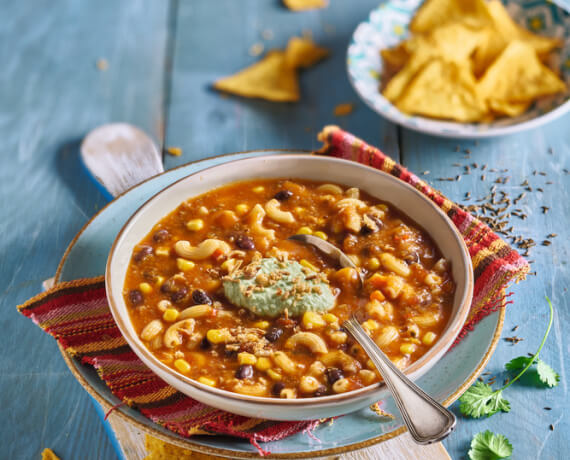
x=174 y=151
x=48 y=454
x=302 y=5
x=342 y=110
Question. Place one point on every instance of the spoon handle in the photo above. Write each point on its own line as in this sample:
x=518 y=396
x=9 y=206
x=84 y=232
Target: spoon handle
x=426 y=419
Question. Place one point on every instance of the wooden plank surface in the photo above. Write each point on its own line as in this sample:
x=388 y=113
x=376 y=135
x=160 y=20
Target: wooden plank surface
x=168 y=54
x=51 y=95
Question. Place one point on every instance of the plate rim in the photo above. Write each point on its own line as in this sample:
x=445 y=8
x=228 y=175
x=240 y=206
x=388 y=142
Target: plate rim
x=490 y=132
x=187 y=443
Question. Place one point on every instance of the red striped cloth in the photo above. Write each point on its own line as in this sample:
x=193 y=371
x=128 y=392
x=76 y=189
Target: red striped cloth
x=77 y=315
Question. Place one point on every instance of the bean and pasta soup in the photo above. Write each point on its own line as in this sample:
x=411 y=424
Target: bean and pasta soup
x=217 y=291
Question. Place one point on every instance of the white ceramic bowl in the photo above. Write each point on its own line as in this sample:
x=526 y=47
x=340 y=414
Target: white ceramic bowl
x=387 y=26
x=381 y=185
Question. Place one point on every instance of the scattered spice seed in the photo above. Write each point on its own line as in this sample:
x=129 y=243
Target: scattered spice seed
x=552 y=235
x=551 y=427
x=514 y=340
x=545 y=209
x=549 y=182
x=458 y=178
x=457 y=164
x=483 y=177
x=550 y=150
x=425 y=173
x=540 y=190
x=507 y=380
x=548 y=408
x=483 y=167
x=546 y=243
x=468 y=152
x=542 y=173
x=515 y=328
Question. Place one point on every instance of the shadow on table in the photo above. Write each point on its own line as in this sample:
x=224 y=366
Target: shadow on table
x=87 y=194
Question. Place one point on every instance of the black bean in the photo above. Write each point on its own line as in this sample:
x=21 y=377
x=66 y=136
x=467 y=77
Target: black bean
x=366 y=230
x=200 y=297
x=142 y=253
x=276 y=390
x=283 y=195
x=273 y=334
x=179 y=295
x=136 y=297
x=161 y=235
x=205 y=343
x=244 y=242
x=321 y=391
x=166 y=287
x=245 y=371
x=333 y=374
x=230 y=353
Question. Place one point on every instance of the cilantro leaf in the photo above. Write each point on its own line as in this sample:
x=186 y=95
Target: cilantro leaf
x=490 y=446
x=480 y=400
x=518 y=363
x=546 y=374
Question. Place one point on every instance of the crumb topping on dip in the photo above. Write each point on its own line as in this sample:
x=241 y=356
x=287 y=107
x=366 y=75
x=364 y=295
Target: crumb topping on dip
x=267 y=287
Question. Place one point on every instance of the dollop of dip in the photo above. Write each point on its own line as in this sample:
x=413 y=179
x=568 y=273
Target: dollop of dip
x=269 y=286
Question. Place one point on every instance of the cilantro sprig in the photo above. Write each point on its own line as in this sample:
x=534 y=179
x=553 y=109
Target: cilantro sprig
x=490 y=446
x=481 y=400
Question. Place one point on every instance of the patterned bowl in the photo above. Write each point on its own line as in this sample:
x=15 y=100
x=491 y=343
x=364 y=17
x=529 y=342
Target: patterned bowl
x=387 y=25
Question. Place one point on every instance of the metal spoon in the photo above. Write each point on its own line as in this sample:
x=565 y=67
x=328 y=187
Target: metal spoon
x=426 y=419
x=329 y=250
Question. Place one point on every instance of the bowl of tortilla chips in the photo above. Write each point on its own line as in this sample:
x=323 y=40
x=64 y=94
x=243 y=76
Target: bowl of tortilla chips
x=464 y=68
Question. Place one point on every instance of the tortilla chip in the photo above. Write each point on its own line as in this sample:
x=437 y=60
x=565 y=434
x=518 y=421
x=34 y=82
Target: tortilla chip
x=271 y=79
x=160 y=450
x=303 y=53
x=510 y=109
x=517 y=75
x=512 y=31
x=452 y=42
x=443 y=89
x=302 y=5
x=435 y=13
x=503 y=31
x=395 y=58
x=48 y=454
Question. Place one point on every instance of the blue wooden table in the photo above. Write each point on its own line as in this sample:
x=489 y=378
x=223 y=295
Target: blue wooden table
x=162 y=57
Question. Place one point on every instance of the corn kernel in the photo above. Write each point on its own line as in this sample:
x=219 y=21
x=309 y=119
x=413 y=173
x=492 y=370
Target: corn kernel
x=407 y=348
x=145 y=288
x=347 y=276
x=228 y=265
x=215 y=336
x=159 y=280
x=370 y=324
x=428 y=338
x=312 y=320
x=263 y=363
x=160 y=251
x=299 y=210
x=195 y=224
x=321 y=235
x=198 y=359
x=207 y=381
x=242 y=209
x=305 y=263
x=182 y=365
x=184 y=265
x=170 y=315
x=373 y=263
x=274 y=375
x=377 y=295
x=258 y=189
x=203 y=211
x=305 y=231
x=246 y=358
x=330 y=318
x=261 y=324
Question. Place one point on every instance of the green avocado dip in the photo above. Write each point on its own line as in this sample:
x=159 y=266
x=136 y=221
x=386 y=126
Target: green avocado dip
x=268 y=286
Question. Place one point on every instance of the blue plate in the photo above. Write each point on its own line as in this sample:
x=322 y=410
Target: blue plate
x=86 y=257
